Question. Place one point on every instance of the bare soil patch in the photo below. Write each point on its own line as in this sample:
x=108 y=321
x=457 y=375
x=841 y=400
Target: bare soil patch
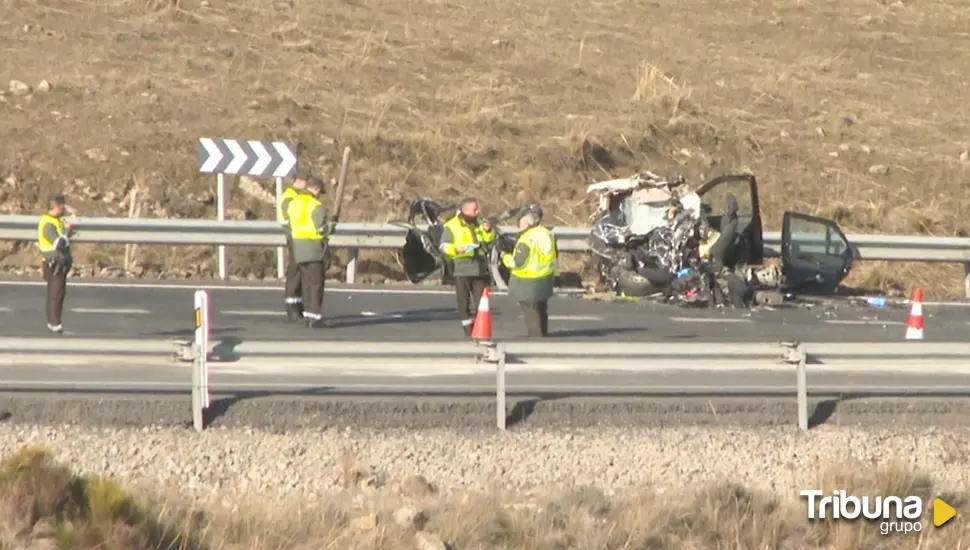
x=854 y=110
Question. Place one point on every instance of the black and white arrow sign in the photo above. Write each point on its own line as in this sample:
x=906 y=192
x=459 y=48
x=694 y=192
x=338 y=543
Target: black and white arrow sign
x=259 y=159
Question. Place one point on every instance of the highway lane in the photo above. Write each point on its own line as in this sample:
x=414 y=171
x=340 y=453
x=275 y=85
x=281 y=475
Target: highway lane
x=253 y=311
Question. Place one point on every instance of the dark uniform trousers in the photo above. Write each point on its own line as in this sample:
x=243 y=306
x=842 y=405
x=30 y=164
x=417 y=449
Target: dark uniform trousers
x=56 y=291
x=313 y=275
x=293 y=286
x=469 y=292
x=536 y=316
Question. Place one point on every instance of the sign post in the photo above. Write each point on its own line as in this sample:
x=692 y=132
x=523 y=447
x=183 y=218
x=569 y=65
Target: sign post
x=200 y=366
x=256 y=159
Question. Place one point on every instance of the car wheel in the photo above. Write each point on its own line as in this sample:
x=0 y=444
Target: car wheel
x=633 y=284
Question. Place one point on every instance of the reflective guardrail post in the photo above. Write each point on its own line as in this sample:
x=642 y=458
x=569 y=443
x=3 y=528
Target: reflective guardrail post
x=200 y=367
x=501 y=410
x=794 y=354
x=352 y=254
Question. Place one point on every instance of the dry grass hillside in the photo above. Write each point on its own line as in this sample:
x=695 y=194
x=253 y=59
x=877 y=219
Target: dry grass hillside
x=851 y=109
x=46 y=506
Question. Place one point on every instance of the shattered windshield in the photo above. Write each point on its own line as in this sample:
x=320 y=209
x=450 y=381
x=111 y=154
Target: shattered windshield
x=645 y=217
x=646 y=209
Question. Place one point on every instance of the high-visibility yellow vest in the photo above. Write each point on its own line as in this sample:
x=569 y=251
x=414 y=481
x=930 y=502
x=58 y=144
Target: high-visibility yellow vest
x=543 y=258
x=300 y=211
x=42 y=242
x=289 y=194
x=462 y=236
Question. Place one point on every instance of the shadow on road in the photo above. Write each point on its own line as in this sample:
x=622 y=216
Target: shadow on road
x=827 y=408
x=392 y=318
x=189 y=333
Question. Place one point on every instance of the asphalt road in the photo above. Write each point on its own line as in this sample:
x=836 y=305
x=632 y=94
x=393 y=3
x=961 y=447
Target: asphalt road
x=106 y=309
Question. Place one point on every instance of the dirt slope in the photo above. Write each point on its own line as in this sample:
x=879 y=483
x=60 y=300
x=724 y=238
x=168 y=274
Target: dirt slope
x=851 y=109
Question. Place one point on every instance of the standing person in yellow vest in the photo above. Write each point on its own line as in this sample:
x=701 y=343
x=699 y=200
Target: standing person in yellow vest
x=534 y=266
x=463 y=241
x=54 y=241
x=310 y=229
x=293 y=287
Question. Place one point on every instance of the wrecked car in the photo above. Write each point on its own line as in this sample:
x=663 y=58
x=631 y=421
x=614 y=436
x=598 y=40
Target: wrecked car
x=652 y=236
x=421 y=257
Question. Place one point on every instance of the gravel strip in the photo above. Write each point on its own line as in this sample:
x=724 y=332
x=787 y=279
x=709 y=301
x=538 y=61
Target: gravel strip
x=239 y=462
x=458 y=412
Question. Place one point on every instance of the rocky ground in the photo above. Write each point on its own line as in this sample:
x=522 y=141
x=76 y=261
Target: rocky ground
x=437 y=489
x=238 y=462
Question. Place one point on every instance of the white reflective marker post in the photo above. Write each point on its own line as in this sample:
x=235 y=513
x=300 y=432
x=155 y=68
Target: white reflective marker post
x=200 y=367
x=501 y=410
x=221 y=216
x=280 y=271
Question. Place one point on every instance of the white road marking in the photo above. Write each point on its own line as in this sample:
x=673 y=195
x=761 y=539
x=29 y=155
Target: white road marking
x=252 y=313
x=204 y=286
x=111 y=311
x=709 y=320
x=4 y=309
x=861 y=322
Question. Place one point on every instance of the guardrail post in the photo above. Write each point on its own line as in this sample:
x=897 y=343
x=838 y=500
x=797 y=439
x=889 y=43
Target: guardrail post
x=795 y=354
x=200 y=367
x=352 y=254
x=501 y=411
x=966 y=279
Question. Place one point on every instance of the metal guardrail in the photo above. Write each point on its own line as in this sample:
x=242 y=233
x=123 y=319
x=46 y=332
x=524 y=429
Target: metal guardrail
x=357 y=236
x=922 y=358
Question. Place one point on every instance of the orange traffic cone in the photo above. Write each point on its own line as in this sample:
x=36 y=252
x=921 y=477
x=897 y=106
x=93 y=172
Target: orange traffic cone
x=482 y=329
x=914 y=328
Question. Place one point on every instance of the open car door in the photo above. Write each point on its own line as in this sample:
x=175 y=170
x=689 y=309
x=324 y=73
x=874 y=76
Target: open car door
x=748 y=244
x=420 y=257
x=815 y=254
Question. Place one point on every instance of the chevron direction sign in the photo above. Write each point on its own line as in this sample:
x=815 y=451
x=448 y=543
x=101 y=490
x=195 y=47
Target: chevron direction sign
x=258 y=159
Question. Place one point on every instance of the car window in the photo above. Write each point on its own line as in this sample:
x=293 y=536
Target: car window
x=741 y=190
x=816 y=237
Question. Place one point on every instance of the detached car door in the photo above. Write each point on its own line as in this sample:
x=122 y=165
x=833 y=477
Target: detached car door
x=815 y=254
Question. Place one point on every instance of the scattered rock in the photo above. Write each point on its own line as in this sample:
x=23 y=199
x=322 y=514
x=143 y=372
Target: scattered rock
x=866 y=149
x=96 y=155
x=112 y=272
x=843 y=147
x=43 y=530
x=253 y=189
x=371 y=483
x=417 y=487
x=429 y=541
x=409 y=517
x=367 y=522
x=19 y=88
x=964 y=156
x=879 y=169
x=45 y=86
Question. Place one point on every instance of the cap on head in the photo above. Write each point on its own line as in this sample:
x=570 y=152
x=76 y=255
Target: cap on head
x=57 y=200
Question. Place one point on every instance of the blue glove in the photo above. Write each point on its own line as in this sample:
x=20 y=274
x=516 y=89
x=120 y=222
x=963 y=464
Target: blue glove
x=471 y=247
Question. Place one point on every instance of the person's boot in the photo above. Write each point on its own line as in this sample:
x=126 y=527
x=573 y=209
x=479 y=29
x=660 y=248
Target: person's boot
x=294 y=312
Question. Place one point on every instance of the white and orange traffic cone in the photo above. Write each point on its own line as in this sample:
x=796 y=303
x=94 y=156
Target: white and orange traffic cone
x=914 y=327
x=482 y=329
